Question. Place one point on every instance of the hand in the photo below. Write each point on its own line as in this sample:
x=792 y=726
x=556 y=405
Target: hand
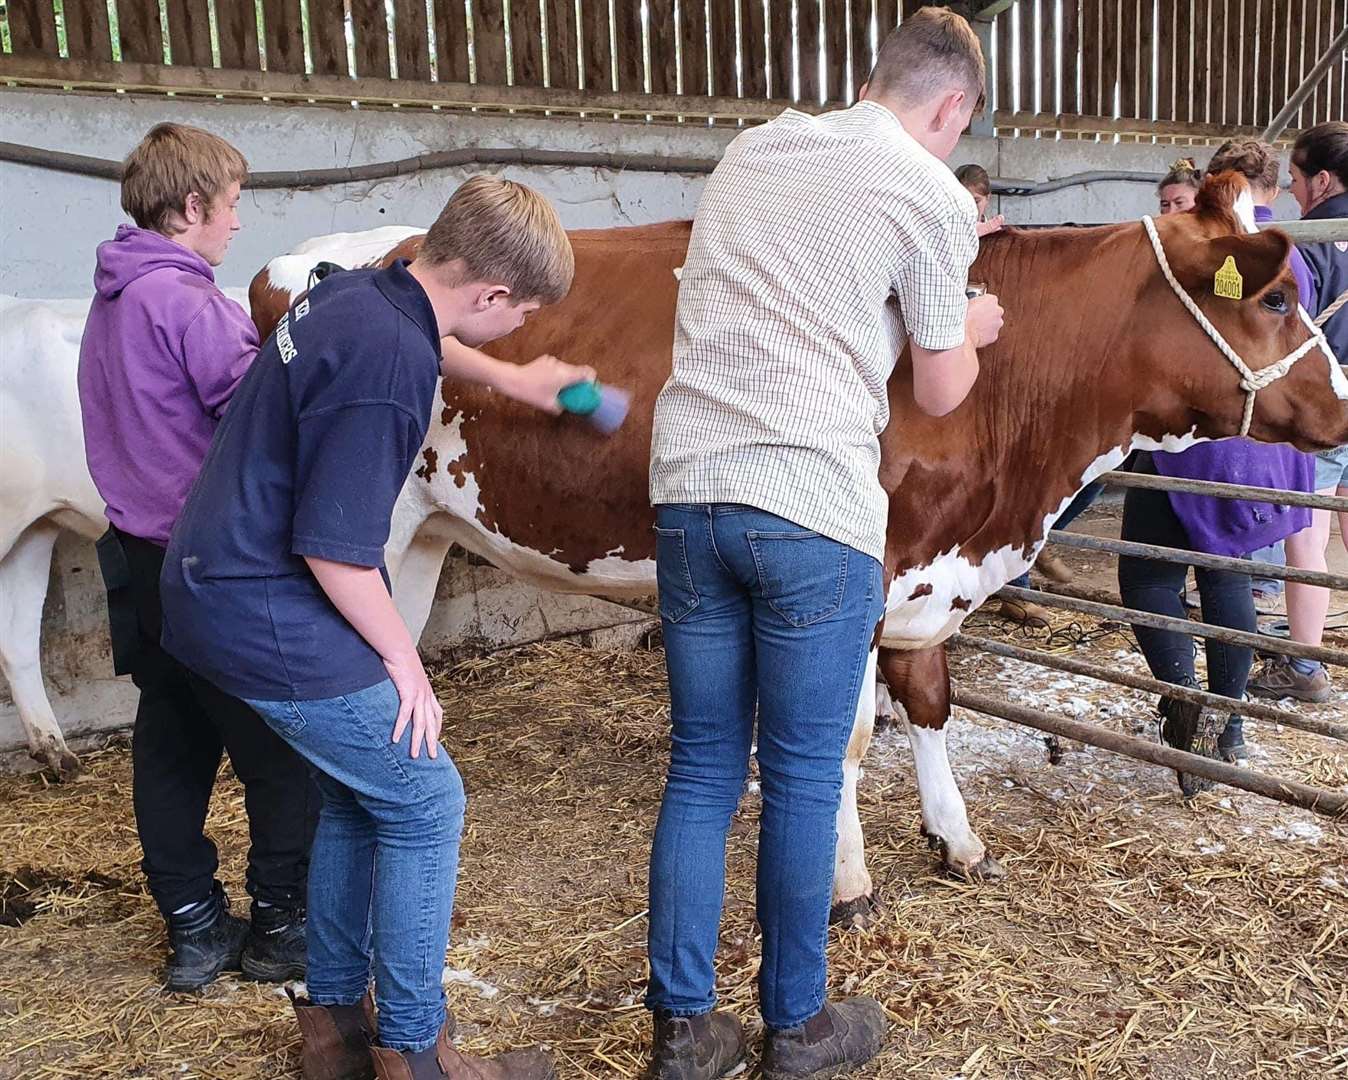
x=417 y=704
x=987 y=228
x=983 y=324
x=538 y=382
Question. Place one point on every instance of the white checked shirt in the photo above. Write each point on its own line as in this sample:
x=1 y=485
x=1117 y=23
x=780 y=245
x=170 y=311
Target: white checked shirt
x=821 y=244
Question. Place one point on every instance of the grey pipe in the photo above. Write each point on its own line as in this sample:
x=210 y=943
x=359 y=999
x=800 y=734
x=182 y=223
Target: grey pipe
x=1279 y=123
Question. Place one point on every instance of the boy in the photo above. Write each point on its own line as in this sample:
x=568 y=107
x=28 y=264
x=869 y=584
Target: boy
x=162 y=353
x=821 y=245
x=274 y=587
x=976 y=181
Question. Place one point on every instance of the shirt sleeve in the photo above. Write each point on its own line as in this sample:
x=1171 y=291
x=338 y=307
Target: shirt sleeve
x=930 y=284
x=351 y=463
x=219 y=346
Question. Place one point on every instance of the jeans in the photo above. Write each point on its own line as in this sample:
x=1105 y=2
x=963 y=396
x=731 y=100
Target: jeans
x=1276 y=555
x=758 y=615
x=1078 y=506
x=183 y=726
x=1159 y=587
x=384 y=863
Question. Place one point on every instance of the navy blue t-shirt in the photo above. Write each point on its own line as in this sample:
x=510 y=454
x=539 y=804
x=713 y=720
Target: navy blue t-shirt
x=312 y=452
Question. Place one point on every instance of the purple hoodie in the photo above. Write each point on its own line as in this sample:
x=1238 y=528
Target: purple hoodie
x=1239 y=526
x=163 y=350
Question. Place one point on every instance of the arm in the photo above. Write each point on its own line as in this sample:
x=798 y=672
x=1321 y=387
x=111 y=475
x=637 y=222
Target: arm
x=537 y=383
x=358 y=592
x=219 y=345
x=943 y=378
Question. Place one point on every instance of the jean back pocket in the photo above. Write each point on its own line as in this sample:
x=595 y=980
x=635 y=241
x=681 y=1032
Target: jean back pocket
x=674 y=578
x=801 y=574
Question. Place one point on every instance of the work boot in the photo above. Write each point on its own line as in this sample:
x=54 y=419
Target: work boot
x=832 y=1042
x=701 y=1047
x=1277 y=678
x=1025 y=612
x=1231 y=743
x=337 y=1039
x=275 y=951
x=1053 y=568
x=1191 y=727
x=203 y=942
x=443 y=1060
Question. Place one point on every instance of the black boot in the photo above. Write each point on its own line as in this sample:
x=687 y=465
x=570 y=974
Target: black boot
x=702 y=1047
x=275 y=951
x=834 y=1041
x=1231 y=744
x=1191 y=727
x=203 y=942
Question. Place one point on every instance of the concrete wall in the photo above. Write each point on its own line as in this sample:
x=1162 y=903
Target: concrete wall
x=50 y=222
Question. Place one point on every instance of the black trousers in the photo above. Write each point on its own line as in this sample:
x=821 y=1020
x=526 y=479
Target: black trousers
x=1158 y=587
x=183 y=725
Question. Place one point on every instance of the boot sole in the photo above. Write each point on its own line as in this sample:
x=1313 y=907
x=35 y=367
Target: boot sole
x=260 y=971
x=825 y=1073
x=655 y=1073
x=182 y=984
x=1312 y=697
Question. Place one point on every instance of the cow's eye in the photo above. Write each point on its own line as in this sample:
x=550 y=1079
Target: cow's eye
x=1275 y=301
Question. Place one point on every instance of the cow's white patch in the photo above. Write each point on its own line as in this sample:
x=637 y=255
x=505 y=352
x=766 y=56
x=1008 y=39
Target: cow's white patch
x=943 y=811
x=290 y=273
x=1170 y=444
x=678 y=273
x=1244 y=209
x=851 y=879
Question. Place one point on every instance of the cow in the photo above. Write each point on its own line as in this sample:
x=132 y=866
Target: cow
x=1099 y=356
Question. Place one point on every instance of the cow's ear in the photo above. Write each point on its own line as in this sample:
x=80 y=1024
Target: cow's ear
x=1258 y=260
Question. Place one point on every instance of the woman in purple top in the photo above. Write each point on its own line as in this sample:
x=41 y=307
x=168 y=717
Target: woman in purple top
x=1216 y=527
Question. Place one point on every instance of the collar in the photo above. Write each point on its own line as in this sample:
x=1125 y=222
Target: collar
x=405 y=293
x=1263 y=213
x=880 y=114
x=1334 y=207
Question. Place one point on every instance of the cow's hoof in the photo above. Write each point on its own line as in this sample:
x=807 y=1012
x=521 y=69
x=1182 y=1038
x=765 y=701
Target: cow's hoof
x=60 y=762
x=986 y=869
x=854 y=914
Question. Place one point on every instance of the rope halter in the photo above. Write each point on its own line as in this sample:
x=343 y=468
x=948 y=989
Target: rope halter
x=1250 y=381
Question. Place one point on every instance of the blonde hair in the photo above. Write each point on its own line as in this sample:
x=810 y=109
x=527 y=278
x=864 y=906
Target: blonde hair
x=506 y=233
x=170 y=163
x=931 y=52
x=1182 y=171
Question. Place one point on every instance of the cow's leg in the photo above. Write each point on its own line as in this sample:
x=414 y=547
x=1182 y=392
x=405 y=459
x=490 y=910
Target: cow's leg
x=23 y=588
x=853 y=896
x=920 y=682
x=417 y=573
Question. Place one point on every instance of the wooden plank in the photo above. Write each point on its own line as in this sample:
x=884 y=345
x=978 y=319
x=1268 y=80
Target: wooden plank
x=369 y=26
x=412 y=39
x=754 y=47
x=1128 y=58
x=1327 y=25
x=1146 y=76
x=1110 y=55
x=1070 y=32
x=663 y=33
x=327 y=37
x=139 y=32
x=1217 y=66
x=1028 y=83
x=1048 y=54
x=236 y=25
x=807 y=44
x=595 y=45
x=284 y=35
x=526 y=41
x=693 y=45
x=489 y=41
x=860 y=48
x=1090 y=57
x=32 y=28
x=562 y=69
x=886 y=18
x=631 y=47
x=783 y=53
x=721 y=59
x=189 y=24
x=836 y=86
x=1259 y=97
x=1005 y=98
x=1250 y=58
x=1166 y=34
x=87 y=34
x=1272 y=93
x=1234 y=59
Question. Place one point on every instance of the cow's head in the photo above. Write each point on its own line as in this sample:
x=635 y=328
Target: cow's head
x=1257 y=315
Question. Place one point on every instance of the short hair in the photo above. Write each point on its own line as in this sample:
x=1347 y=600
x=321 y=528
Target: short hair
x=503 y=232
x=1183 y=171
x=171 y=162
x=975 y=178
x=1323 y=148
x=931 y=52
x=1256 y=161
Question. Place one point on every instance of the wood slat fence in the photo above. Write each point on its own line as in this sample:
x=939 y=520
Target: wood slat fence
x=1158 y=67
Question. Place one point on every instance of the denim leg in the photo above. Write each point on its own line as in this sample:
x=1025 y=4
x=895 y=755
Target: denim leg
x=706 y=615
x=1154 y=586
x=816 y=603
x=415 y=810
x=1079 y=505
x=1275 y=554
x=1227 y=601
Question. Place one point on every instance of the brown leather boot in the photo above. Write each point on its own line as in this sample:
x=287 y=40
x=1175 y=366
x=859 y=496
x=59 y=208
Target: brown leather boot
x=834 y=1041
x=337 y=1039
x=702 y=1047
x=443 y=1060
x=1053 y=568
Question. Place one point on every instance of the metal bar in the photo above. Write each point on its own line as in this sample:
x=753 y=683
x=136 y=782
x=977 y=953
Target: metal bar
x=1261 y=642
x=1329 y=728
x=1313 y=78
x=1195 y=558
x=1225 y=491
x=1321 y=800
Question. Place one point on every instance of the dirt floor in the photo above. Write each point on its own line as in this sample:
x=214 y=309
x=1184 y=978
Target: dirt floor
x=1135 y=935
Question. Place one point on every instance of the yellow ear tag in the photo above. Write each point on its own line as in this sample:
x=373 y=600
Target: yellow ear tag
x=1227 y=282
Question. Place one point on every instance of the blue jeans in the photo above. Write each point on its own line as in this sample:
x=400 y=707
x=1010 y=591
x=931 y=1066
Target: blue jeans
x=384 y=862
x=1275 y=554
x=757 y=613
x=1078 y=506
